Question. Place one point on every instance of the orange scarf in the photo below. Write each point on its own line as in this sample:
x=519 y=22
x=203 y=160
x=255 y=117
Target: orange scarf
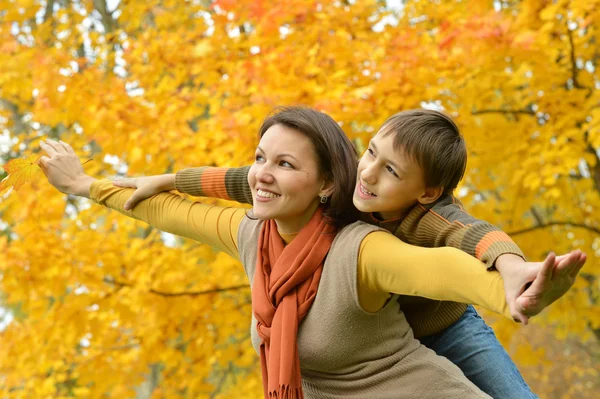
x=285 y=285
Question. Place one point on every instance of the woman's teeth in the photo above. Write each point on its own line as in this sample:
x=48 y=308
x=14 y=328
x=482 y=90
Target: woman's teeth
x=266 y=194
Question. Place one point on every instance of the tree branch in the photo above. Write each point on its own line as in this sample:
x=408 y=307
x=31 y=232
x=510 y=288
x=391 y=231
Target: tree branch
x=573 y=58
x=551 y=224
x=182 y=293
x=49 y=10
x=198 y=293
x=107 y=19
x=596 y=169
x=574 y=70
x=526 y=111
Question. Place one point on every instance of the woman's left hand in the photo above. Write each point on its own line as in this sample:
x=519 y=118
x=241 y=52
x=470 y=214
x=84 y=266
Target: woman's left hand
x=64 y=169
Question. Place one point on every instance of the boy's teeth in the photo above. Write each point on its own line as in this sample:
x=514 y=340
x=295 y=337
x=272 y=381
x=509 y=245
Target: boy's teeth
x=267 y=194
x=365 y=191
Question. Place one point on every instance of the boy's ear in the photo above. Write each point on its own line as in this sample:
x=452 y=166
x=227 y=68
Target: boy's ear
x=430 y=195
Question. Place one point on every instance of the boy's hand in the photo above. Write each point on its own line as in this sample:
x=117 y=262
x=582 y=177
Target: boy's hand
x=146 y=187
x=556 y=276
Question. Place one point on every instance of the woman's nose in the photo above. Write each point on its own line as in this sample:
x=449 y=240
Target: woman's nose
x=264 y=175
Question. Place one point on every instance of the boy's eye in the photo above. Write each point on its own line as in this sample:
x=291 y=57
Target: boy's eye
x=258 y=158
x=370 y=151
x=389 y=169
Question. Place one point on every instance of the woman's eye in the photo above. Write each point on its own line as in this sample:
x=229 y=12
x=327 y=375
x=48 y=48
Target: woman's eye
x=286 y=164
x=258 y=158
x=389 y=169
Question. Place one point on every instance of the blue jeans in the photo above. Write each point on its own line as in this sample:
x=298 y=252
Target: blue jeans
x=473 y=347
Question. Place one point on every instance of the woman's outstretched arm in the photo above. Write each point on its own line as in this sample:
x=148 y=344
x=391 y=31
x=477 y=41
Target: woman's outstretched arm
x=388 y=265
x=211 y=225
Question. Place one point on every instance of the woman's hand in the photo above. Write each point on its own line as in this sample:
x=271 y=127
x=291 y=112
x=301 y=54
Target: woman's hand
x=146 y=187
x=555 y=277
x=63 y=169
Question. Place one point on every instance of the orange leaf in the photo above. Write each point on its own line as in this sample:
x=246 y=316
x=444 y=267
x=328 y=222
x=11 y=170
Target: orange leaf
x=20 y=171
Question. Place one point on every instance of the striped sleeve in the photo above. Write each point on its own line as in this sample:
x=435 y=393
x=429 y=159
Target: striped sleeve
x=447 y=224
x=225 y=183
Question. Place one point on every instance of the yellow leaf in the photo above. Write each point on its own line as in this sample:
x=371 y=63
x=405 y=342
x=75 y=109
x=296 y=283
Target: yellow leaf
x=20 y=171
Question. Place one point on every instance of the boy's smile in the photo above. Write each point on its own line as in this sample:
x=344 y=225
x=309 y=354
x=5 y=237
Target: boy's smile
x=363 y=192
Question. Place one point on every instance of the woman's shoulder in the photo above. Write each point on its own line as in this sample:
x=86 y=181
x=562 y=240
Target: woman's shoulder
x=360 y=226
x=357 y=230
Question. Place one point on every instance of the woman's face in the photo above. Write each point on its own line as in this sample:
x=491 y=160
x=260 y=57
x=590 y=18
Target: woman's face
x=285 y=179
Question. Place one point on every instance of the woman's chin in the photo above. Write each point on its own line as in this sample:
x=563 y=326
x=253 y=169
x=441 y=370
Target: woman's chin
x=261 y=214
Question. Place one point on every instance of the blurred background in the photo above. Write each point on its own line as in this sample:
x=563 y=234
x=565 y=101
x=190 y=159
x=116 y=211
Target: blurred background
x=93 y=305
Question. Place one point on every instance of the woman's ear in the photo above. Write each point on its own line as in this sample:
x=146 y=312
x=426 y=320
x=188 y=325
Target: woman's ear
x=326 y=189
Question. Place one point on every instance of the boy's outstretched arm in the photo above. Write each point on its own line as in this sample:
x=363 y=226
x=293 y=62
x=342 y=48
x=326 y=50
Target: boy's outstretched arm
x=446 y=223
x=207 y=181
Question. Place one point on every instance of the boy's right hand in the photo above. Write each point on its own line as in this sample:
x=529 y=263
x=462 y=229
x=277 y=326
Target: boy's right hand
x=146 y=187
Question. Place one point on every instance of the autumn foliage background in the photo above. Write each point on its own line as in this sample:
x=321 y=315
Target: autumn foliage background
x=94 y=305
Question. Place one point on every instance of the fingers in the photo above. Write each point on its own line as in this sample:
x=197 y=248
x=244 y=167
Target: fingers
x=52 y=147
x=67 y=147
x=44 y=161
x=582 y=260
x=545 y=273
x=49 y=149
x=521 y=318
x=135 y=197
x=43 y=164
x=130 y=203
x=571 y=264
x=522 y=305
x=131 y=183
x=55 y=145
x=564 y=264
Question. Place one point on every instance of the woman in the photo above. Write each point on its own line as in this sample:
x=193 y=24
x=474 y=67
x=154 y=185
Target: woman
x=313 y=336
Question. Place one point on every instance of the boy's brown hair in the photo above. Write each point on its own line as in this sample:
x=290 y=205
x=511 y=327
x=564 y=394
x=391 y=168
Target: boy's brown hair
x=433 y=140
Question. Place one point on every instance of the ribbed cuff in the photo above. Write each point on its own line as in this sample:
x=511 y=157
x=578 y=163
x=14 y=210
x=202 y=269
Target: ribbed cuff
x=500 y=248
x=236 y=182
x=188 y=181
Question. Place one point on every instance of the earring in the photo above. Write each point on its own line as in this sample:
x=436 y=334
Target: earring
x=323 y=199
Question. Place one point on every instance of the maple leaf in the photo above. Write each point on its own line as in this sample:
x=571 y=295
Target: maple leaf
x=20 y=171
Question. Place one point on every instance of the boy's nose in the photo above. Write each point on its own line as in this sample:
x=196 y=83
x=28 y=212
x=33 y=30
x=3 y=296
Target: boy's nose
x=368 y=176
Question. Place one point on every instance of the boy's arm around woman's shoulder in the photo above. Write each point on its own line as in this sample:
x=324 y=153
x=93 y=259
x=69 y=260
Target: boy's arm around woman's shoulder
x=207 y=181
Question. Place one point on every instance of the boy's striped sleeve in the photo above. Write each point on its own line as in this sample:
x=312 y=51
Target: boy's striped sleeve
x=446 y=223
x=208 y=181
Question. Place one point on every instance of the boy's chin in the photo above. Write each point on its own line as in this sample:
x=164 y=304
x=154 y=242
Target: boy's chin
x=360 y=205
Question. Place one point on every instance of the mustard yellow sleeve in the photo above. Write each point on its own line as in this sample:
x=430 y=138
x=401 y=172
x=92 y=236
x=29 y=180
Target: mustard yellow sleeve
x=388 y=265
x=212 y=225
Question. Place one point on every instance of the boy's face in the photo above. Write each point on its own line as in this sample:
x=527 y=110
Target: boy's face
x=389 y=182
